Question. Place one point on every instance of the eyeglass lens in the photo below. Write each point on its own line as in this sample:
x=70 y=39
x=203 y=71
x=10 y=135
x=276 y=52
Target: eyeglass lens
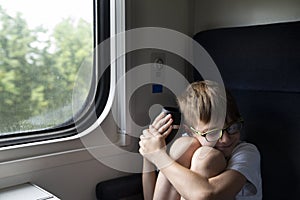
x=217 y=134
x=213 y=136
x=234 y=128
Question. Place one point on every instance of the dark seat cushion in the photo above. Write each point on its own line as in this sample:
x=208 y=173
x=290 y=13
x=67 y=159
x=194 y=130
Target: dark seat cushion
x=125 y=188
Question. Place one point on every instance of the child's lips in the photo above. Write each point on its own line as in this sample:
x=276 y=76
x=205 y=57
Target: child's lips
x=221 y=147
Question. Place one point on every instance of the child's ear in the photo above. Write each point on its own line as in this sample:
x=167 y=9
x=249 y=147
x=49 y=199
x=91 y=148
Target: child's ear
x=187 y=129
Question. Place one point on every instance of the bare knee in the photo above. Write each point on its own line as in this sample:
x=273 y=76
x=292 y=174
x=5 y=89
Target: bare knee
x=183 y=149
x=208 y=161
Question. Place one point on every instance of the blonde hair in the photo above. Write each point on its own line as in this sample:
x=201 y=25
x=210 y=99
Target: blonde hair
x=208 y=102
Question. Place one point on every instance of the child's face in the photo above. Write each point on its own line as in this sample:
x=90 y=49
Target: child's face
x=226 y=143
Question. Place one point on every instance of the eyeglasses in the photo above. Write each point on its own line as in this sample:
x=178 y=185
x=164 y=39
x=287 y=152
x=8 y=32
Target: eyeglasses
x=216 y=134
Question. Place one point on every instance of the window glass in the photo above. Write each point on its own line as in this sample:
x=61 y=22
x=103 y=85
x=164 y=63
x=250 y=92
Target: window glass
x=42 y=47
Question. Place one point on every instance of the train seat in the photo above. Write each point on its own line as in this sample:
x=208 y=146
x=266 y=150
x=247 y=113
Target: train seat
x=260 y=64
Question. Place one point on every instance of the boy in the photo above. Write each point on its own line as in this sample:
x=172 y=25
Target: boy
x=211 y=164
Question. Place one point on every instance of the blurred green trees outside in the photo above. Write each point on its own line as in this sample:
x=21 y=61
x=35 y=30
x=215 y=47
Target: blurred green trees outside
x=38 y=69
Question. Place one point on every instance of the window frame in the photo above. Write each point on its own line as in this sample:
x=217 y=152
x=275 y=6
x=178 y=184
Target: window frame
x=21 y=160
x=100 y=103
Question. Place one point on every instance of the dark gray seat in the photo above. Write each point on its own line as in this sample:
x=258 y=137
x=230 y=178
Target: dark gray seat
x=261 y=66
x=125 y=188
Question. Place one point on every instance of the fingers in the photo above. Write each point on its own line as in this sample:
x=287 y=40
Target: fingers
x=147 y=133
x=161 y=123
x=141 y=144
x=166 y=126
x=153 y=139
x=166 y=133
x=158 y=118
x=153 y=130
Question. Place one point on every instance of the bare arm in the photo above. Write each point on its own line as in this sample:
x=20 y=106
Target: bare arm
x=148 y=179
x=188 y=183
x=192 y=185
x=182 y=151
x=149 y=175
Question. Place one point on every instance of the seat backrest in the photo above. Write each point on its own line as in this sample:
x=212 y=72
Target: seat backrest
x=261 y=66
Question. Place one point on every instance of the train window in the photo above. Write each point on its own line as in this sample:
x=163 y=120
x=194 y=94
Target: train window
x=44 y=45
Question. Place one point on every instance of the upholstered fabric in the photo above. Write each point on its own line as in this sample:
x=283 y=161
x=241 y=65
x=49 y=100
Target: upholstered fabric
x=261 y=66
x=263 y=57
x=125 y=188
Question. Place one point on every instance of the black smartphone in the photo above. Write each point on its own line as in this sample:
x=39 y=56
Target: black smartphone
x=176 y=116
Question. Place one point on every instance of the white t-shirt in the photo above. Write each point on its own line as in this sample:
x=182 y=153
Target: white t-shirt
x=246 y=160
